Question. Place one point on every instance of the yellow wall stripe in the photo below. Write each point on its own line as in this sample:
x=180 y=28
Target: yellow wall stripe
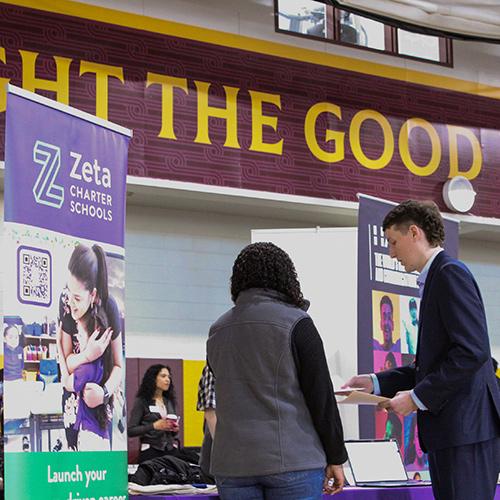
x=193 y=420
x=137 y=21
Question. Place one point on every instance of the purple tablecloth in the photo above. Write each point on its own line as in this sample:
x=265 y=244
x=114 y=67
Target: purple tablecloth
x=416 y=493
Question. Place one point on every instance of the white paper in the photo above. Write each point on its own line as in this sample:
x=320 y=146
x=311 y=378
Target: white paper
x=347 y=391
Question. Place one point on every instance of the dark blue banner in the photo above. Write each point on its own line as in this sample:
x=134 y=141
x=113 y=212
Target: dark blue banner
x=388 y=311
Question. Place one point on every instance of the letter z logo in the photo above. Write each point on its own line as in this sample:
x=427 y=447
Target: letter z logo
x=46 y=191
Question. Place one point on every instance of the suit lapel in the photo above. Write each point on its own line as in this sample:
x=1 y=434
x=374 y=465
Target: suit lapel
x=423 y=304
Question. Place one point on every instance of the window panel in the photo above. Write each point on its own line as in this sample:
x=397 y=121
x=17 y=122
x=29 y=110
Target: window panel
x=306 y=17
x=362 y=31
x=418 y=45
x=311 y=18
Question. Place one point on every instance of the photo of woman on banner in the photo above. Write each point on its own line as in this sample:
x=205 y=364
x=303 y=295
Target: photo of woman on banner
x=388 y=425
x=86 y=292
x=414 y=457
x=394 y=428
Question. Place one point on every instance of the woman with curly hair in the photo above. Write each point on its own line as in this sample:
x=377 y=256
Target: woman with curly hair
x=278 y=424
x=155 y=401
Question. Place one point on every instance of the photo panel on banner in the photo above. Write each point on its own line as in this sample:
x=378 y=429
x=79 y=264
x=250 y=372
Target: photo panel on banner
x=388 y=319
x=385 y=313
x=64 y=302
x=409 y=308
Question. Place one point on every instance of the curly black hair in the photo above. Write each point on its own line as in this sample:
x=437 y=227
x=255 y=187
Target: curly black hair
x=148 y=384
x=264 y=265
x=424 y=214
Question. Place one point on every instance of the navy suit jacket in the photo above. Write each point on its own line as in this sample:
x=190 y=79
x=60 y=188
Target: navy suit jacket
x=453 y=373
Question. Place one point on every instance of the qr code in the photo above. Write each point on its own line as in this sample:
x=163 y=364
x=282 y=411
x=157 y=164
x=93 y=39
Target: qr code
x=35 y=276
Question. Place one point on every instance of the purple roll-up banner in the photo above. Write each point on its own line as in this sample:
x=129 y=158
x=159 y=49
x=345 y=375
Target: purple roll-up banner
x=64 y=267
x=388 y=311
x=64 y=172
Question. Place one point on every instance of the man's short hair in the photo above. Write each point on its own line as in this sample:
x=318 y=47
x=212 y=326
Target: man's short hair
x=386 y=300
x=424 y=214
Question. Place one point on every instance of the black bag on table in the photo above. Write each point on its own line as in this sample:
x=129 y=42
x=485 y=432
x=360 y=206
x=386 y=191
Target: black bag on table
x=167 y=470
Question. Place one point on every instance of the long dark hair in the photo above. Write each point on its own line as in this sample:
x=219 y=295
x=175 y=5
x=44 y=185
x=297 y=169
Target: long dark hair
x=148 y=384
x=96 y=318
x=397 y=428
x=88 y=265
x=265 y=265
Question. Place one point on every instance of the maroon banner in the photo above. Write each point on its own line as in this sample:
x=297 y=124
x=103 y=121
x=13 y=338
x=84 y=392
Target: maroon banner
x=214 y=115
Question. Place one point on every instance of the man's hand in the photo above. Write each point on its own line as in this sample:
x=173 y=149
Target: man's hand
x=402 y=403
x=95 y=347
x=365 y=382
x=93 y=395
x=334 y=479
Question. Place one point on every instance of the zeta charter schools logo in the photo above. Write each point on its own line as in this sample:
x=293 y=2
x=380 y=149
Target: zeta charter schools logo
x=45 y=190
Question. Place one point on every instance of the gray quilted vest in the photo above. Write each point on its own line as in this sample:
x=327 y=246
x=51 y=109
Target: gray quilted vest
x=263 y=424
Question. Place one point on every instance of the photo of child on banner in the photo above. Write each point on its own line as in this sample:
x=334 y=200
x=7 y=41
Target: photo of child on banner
x=13 y=353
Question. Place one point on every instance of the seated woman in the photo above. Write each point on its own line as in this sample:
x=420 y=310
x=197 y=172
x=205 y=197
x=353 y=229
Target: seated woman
x=148 y=420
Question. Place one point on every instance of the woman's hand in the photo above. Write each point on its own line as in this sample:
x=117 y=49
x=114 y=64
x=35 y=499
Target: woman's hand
x=334 y=479
x=95 y=347
x=93 y=395
x=165 y=424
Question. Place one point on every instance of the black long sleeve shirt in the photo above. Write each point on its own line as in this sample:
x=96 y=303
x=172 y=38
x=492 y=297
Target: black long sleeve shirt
x=317 y=387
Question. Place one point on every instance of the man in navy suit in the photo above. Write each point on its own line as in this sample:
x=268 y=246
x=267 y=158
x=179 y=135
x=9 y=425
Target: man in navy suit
x=451 y=385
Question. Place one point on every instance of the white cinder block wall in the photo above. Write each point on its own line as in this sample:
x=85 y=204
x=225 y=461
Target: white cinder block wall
x=483 y=259
x=178 y=269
